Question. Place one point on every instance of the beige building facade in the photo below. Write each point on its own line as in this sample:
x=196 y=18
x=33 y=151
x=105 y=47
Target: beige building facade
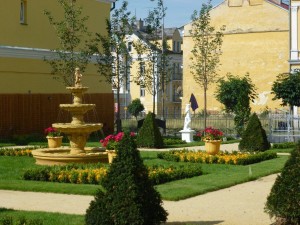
x=256 y=41
x=29 y=96
x=173 y=88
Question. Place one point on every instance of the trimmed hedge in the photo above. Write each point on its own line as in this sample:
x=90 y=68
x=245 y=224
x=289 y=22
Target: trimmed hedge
x=95 y=173
x=254 y=138
x=129 y=196
x=283 y=202
x=149 y=135
x=222 y=158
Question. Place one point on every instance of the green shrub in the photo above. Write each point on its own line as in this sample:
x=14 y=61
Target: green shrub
x=254 y=138
x=149 y=135
x=283 y=201
x=8 y=220
x=173 y=141
x=284 y=145
x=129 y=197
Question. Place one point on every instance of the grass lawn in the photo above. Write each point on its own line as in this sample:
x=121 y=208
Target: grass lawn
x=47 y=218
x=215 y=177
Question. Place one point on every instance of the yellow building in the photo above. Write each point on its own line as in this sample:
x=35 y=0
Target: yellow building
x=173 y=88
x=294 y=35
x=256 y=41
x=29 y=96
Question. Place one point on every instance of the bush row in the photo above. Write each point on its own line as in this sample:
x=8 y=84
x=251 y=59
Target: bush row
x=284 y=145
x=95 y=174
x=234 y=158
x=173 y=141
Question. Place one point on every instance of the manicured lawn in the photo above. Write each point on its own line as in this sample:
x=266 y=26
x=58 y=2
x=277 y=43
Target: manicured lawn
x=215 y=177
x=46 y=218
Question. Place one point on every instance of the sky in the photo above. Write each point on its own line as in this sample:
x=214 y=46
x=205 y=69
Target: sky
x=178 y=11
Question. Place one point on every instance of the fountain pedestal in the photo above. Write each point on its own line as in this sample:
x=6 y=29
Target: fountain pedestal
x=77 y=132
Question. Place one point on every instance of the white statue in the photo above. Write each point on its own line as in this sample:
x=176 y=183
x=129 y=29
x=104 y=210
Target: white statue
x=187 y=119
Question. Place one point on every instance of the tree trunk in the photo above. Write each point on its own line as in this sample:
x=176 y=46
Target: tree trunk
x=205 y=107
x=118 y=118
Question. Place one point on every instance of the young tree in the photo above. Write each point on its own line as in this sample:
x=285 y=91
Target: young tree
x=206 y=50
x=235 y=94
x=154 y=72
x=135 y=107
x=115 y=62
x=287 y=88
x=74 y=39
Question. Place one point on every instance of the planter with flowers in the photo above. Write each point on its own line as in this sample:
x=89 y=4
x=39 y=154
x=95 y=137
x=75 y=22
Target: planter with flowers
x=54 y=137
x=111 y=142
x=212 y=138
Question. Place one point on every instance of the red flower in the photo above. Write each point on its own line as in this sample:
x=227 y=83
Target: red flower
x=210 y=133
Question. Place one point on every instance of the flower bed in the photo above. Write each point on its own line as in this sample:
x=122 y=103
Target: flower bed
x=94 y=173
x=235 y=158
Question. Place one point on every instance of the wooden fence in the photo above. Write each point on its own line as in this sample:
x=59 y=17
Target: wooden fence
x=31 y=113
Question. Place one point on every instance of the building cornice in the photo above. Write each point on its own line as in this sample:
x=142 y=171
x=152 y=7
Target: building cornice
x=28 y=53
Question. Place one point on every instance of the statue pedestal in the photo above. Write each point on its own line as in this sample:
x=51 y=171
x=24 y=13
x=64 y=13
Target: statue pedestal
x=187 y=135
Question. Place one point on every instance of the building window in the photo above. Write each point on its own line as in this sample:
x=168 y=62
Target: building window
x=178 y=46
x=129 y=46
x=23 y=12
x=142 y=92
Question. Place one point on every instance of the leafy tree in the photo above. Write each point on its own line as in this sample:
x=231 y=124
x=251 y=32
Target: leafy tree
x=129 y=196
x=206 y=50
x=254 y=137
x=287 y=88
x=284 y=199
x=115 y=62
x=154 y=72
x=235 y=94
x=75 y=41
x=135 y=107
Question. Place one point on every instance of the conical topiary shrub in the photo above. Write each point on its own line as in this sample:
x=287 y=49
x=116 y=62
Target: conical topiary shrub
x=129 y=197
x=149 y=135
x=254 y=138
x=284 y=200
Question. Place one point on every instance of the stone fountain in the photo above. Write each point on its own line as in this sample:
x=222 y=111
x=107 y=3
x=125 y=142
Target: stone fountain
x=77 y=132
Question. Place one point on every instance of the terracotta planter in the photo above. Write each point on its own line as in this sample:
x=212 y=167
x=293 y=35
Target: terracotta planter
x=111 y=155
x=212 y=147
x=54 y=142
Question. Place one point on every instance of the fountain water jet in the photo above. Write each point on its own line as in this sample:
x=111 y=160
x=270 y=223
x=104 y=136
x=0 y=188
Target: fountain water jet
x=77 y=132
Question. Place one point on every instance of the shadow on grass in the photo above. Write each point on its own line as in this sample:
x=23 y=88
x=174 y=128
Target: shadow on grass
x=195 y=223
x=5 y=210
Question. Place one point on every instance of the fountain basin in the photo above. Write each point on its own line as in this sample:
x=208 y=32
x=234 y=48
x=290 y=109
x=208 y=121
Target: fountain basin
x=69 y=128
x=62 y=156
x=77 y=108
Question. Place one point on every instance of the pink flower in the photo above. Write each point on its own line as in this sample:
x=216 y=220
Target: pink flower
x=113 y=138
